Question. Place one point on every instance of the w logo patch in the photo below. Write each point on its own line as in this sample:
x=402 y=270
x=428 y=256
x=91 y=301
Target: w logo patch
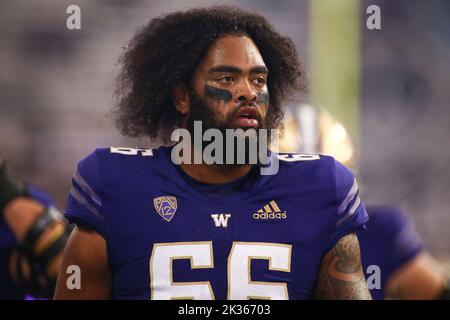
x=220 y=220
x=165 y=206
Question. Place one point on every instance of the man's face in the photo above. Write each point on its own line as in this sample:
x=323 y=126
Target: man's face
x=230 y=86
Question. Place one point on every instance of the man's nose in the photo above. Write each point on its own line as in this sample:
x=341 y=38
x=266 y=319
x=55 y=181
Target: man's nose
x=245 y=92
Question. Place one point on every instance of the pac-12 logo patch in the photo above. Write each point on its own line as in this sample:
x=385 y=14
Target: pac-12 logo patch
x=166 y=206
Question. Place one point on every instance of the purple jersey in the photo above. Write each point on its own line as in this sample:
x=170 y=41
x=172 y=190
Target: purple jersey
x=388 y=243
x=8 y=290
x=170 y=236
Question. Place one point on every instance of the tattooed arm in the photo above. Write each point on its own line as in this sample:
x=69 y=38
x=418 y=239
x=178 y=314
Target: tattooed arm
x=341 y=276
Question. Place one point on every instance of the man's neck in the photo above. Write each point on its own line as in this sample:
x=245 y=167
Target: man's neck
x=216 y=173
x=213 y=173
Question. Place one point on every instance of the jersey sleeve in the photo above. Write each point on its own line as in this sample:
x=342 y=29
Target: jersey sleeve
x=350 y=214
x=406 y=244
x=84 y=203
x=40 y=195
x=402 y=241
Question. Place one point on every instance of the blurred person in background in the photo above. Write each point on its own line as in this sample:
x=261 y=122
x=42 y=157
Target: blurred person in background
x=390 y=244
x=33 y=234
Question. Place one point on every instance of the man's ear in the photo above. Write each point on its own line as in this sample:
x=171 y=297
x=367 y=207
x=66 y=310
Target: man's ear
x=180 y=97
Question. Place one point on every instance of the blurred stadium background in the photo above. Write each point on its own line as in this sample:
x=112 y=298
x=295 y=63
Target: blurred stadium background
x=390 y=88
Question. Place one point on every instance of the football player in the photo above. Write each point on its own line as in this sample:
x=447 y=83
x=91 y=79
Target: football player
x=148 y=228
x=406 y=269
x=32 y=236
x=396 y=264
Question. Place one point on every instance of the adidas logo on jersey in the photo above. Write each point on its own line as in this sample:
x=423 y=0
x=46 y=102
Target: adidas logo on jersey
x=270 y=211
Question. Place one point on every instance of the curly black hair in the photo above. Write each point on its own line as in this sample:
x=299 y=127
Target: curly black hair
x=168 y=50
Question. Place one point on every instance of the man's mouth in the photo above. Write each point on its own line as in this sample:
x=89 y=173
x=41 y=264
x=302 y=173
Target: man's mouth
x=246 y=117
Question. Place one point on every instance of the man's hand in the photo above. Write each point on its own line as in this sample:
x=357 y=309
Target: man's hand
x=41 y=234
x=341 y=276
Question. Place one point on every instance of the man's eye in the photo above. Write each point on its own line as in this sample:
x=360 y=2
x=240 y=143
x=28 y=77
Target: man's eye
x=260 y=81
x=225 y=80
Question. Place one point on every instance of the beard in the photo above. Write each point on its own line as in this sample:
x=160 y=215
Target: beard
x=201 y=111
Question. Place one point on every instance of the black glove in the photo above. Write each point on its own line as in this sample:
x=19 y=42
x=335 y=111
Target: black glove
x=10 y=188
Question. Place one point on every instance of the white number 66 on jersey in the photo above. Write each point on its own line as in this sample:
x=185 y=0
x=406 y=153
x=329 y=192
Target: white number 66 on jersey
x=200 y=254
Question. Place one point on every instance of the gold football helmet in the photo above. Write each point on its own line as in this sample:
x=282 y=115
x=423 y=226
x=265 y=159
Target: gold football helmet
x=310 y=130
